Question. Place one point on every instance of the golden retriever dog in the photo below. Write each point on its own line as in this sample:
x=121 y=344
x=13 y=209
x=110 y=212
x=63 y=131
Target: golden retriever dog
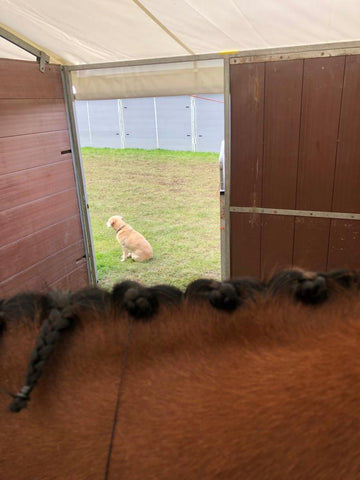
x=133 y=244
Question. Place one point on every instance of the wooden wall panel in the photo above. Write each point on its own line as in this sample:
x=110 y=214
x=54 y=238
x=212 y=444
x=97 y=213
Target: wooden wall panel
x=25 y=186
x=20 y=79
x=321 y=102
x=283 y=88
x=245 y=244
x=344 y=245
x=347 y=177
x=322 y=91
x=277 y=242
x=50 y=240
x=76 y=278
x=41 y=236
x=311 y=243
x=296 y=147
x=247 y=105
x=24 y=117
x=21 y=152
x=20 y=221
x=44 y=274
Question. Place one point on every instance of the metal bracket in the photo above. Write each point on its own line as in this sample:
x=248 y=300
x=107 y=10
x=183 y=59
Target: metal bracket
x=296 y=213
x=294 y=54
x=41 y=56
x=43 y=60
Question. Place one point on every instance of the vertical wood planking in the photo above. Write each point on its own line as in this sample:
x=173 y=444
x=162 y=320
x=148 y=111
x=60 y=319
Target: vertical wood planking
x=311 y=243
x=309 y=119
x=277 y=239
x=245 y=244
x=247 y=109
x=321 y=103
x=344 y=249
x=347 y=176
x=283 y=88
x=344 y=243
x=322 y=92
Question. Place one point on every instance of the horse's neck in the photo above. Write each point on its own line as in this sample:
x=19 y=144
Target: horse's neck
x=252 y=400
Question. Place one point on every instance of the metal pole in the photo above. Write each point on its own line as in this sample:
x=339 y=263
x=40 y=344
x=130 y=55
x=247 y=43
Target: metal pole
x=41 y=56
x=121 y=123
x=156 y=124
x=89 y=124
x=79 y=176
x=193 y=124
x=341 y=47
x=225 y=235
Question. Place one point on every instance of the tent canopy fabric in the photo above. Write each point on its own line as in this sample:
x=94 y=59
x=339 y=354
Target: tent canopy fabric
x=185 y=78
x=93 y=31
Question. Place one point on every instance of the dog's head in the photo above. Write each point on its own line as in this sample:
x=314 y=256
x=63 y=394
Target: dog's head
x=115 y=222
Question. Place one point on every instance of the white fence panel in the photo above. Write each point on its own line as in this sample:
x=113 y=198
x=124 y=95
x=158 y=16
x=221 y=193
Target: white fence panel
x=173 y=123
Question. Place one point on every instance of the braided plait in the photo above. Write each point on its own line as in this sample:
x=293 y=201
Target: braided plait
x=247 y=288
x=312 y=291
x=221 y=295
x=59 y=319
x=345 y=279
x=138 y=301
x=309 y=288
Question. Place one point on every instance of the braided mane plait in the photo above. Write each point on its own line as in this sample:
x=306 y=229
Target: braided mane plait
x=60 y=318
x=346 y=279
x=143 y=302
x=312 y=288
x=221 y=295
x=226 y=295
x=247 y=288
x=57 y=311
x=308 y=288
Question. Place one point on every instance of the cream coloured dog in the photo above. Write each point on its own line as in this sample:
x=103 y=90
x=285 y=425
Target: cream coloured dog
x=133 y=244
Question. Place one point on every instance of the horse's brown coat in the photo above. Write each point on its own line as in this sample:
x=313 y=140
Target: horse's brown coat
x=270 y=391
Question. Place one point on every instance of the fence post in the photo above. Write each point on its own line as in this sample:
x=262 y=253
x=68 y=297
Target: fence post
x=121 y=123
x=156 y=124
x=193 y=123
x=88 y=122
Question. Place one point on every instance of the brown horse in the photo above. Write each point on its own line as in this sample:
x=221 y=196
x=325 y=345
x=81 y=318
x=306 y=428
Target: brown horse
x=233 y=380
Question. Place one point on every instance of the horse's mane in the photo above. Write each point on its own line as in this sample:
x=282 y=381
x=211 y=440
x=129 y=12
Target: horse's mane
x=220 y=310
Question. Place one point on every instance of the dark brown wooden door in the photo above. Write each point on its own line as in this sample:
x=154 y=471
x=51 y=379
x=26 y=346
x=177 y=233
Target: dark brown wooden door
x=295 y=147
x=42 y=242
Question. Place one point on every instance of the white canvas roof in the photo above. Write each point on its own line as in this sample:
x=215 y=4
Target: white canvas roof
x=97 y=31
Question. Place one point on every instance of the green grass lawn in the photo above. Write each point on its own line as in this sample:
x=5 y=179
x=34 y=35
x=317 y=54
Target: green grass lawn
x=170 y=197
